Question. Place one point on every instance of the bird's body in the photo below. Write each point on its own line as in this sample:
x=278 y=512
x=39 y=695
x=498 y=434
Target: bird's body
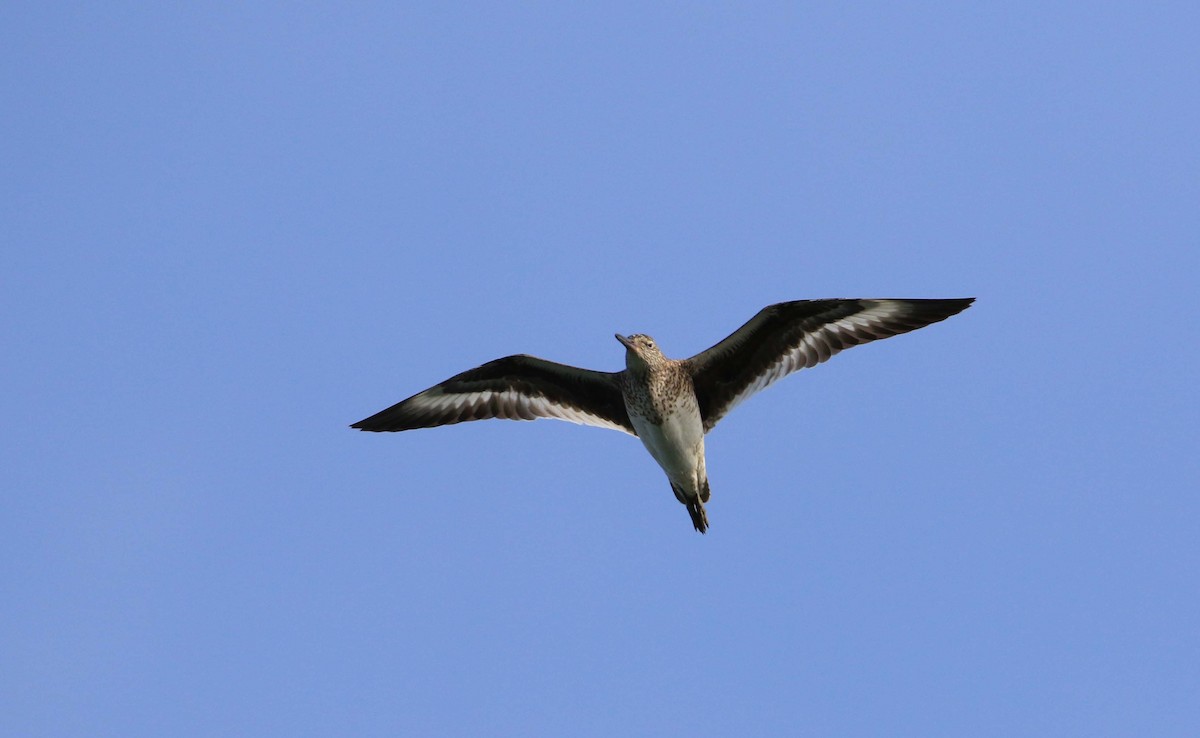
x=661 y=401
x=669 y=404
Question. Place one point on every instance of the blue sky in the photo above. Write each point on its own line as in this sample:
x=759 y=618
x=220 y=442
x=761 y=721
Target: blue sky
x=231 y=230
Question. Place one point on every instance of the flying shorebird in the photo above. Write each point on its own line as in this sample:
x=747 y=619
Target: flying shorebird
x=668 y=403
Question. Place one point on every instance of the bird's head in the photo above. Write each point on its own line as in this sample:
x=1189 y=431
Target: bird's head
x=641 y=351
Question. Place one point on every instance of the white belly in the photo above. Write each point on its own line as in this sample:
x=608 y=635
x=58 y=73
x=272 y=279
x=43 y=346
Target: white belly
x=677 y=445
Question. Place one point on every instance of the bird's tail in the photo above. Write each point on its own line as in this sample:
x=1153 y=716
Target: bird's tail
x=695 y=504
x=695 y=508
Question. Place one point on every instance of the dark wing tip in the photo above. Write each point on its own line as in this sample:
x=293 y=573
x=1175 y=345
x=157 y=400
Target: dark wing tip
x=911 y=314
x=939 y=309
x=395 y=418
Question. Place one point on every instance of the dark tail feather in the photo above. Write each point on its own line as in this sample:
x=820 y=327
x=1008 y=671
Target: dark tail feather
x=695 y=505
x=695 y=508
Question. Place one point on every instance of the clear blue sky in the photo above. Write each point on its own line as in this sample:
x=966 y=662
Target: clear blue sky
x=229 y=231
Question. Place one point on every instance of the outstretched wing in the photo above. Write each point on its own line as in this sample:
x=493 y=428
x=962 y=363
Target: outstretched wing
x=515 y=388
x=790 y=336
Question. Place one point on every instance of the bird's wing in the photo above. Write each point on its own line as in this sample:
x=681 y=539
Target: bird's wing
x=790 y=336
x=515 y=388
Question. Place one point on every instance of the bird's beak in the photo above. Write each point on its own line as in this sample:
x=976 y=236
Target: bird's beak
x=624 y=341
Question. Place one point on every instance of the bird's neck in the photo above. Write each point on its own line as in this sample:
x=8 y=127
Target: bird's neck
x=642 y=372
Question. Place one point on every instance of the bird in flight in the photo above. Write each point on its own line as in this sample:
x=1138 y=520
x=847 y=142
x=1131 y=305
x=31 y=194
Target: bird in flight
x=670 y=404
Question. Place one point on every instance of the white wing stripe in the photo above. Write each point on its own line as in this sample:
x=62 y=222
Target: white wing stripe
x=510 y=403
